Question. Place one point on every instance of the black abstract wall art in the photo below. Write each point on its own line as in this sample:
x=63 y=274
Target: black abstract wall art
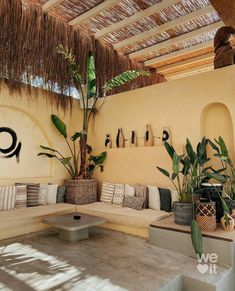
x=15 y=147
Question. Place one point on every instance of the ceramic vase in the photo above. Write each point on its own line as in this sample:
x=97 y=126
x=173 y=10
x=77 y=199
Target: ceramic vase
x=148 y=137
x=166 y=135
x=108 y=141
x=133 y=141
x=227 y=222
x=120 y=142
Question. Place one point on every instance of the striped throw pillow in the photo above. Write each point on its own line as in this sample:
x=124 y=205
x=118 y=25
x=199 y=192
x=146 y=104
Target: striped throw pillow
x=107 y=192
x=7 y=197
x=33 y=191
x=21 y=197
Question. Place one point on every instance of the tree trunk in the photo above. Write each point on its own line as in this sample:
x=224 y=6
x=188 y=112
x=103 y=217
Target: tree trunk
x=83 y=153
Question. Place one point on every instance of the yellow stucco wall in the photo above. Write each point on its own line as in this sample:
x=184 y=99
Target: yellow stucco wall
x=182 y=105
x=179 y=104
x=31 y=121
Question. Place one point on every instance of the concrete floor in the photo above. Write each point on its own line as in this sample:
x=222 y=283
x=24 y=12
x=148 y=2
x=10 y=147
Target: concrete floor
x=107 y=261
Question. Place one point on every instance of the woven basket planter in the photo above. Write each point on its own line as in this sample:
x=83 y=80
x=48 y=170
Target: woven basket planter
x=183 y=213
x=81 y=191
x=206 y=215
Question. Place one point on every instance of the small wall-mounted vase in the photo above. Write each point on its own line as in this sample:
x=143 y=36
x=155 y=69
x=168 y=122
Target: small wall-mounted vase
x=148 y=137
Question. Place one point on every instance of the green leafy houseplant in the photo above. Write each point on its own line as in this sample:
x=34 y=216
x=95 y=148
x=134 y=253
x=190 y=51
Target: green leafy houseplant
x=71 y=162
x=88 y=92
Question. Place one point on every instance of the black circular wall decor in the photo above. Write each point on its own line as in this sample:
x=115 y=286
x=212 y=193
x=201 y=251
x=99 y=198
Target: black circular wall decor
x=14 y=149
x=165 y=135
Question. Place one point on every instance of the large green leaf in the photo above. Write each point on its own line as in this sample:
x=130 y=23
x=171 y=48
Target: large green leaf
x=224 y=205
x=75 y=136
x=169 y=149
x=196 y=238
x=59 y=124
x=217 y=176
x=98 y=160
x=48 y=149
x=91 y=76
x=190 y=151
x=176 y=164
x=65 y=161
x=47 y=155
x=123 y=78
x=213 y=145
x=164 y=172
x=223 y=147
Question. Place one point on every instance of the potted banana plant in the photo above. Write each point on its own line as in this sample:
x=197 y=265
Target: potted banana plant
x=81 y=183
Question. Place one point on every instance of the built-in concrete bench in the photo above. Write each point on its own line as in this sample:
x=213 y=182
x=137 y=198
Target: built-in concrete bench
x=27 y=220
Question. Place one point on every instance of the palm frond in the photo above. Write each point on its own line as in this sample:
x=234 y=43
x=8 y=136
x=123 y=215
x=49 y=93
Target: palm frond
x=123 y=78
x=91 y=76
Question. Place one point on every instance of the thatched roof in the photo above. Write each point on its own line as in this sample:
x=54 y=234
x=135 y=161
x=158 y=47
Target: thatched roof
x=152 y=32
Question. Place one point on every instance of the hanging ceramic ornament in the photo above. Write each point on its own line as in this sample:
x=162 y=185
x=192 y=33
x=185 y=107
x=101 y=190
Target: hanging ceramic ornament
x=120 y=142
x=108 y=141
x=133 y=142
x=166 y=135
x=148 y=137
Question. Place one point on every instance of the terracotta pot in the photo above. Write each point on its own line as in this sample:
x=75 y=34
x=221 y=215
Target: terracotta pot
x=183 y=213
x=81 y=191
x=227 y=222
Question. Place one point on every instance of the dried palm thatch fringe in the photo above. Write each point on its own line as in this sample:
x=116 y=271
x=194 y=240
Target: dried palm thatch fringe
x=28 y=41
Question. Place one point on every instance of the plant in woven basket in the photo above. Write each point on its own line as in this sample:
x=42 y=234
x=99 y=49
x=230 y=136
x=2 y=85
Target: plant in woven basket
x=88 y=93
x=71 y=162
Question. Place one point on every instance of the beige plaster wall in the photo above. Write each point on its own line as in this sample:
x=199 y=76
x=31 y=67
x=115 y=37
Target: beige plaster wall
x=179 y=104
x=31 y=122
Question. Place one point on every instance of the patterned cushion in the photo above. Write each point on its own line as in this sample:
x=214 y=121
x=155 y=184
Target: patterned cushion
x=7 y=197
x=141 y=191
x=21 y=196
x=33 y=191
x=133 y=202
x=107 y=192
x=42 y=197
x=61 y=192
x=119 y=193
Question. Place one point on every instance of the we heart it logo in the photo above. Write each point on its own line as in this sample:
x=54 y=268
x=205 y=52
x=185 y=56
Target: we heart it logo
x=202 y=268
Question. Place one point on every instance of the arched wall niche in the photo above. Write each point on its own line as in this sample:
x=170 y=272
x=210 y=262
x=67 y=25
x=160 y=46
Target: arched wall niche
x=216 y=121
x=31 y=135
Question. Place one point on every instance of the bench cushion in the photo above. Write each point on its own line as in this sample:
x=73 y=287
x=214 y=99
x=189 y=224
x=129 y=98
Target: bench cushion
x=122 y=215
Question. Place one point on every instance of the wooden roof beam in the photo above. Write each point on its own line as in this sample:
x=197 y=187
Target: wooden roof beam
x=155 y=61
x=226 y=10
x=190 y=72
x=173 y=23
x=174 y=40
x=189 y=62
x=49 y=5
x=137 y=16
x=93 y=12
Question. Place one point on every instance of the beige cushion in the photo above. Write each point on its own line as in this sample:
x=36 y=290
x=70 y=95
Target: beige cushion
x=107 y=192
x=129 y=190
x=7 y=197
x=21 y=196
x=154 y=198
x=122 y=215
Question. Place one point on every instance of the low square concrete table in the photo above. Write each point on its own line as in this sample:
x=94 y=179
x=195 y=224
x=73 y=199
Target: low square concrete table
x=72 y=230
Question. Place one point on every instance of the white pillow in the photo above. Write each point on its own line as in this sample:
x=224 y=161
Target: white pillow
x=174 y=196
x=43 y=193
x=52 y=193
x=154 y=198
x=129 y=190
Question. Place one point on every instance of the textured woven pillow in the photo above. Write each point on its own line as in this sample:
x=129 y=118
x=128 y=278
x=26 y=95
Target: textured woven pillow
x=129 y=190
x=107 y=192
x=154 y=197
x=133 y=202
x=61 y=192
x=21 y=196
x=141 y=191
x=42 y=197
x=119 y=193
x=33 y=191
x=7 y=197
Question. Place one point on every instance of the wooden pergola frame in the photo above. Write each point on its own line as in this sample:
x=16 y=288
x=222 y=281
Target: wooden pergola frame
x=166 y=64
